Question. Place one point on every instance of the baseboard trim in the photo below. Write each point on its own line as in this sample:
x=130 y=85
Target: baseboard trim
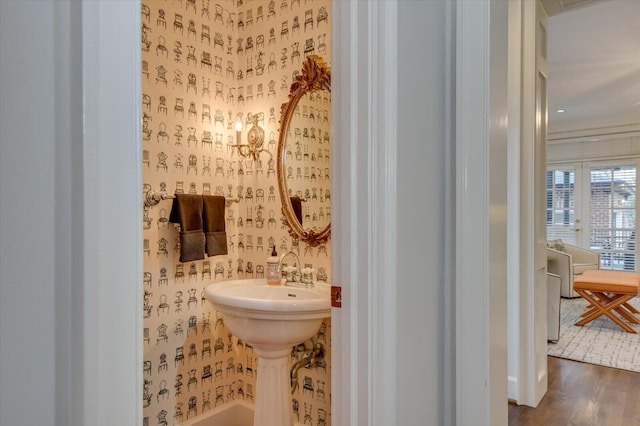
x=512 y=389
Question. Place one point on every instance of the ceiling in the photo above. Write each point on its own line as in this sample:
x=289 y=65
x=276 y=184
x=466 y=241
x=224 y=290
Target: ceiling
x=553 y=7
x=594 y=64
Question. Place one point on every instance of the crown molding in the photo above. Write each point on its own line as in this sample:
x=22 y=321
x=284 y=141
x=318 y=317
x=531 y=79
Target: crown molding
x=610 y=132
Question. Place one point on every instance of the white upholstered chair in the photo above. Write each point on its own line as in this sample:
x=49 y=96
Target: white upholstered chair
x=570 y=262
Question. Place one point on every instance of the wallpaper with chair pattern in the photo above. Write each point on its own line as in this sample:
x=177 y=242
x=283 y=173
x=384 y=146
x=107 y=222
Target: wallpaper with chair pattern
x=204 y=63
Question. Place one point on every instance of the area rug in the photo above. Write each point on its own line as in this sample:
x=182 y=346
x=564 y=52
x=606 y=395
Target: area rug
x=600 y=342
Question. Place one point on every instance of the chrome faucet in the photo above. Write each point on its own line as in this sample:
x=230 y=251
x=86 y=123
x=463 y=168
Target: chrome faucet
x=291 y=279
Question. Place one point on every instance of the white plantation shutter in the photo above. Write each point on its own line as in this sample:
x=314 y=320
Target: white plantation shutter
x=613 y=216
x=561 y=205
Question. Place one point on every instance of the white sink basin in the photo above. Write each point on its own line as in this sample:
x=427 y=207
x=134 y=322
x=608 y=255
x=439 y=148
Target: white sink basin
x=271 y=319
x=276 y=302
x=274 y=316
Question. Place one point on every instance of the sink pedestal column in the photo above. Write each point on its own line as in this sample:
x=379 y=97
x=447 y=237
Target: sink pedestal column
x=273 y=388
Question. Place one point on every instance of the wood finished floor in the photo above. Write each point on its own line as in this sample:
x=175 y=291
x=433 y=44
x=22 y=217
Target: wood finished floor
x=583 y=394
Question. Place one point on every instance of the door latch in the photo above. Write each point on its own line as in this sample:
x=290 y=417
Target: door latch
x=336 y=296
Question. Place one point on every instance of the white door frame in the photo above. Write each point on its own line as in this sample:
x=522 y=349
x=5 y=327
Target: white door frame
x=481 y=213
x=527 y=256
x=108 y=388
x=72 y=126
x=363 y=385
x=364 y=114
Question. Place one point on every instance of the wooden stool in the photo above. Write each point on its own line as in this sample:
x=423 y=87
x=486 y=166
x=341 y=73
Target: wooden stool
x=608 y=293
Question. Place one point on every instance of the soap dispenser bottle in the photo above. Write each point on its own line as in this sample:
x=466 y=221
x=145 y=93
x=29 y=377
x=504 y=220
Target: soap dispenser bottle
x=273 y=275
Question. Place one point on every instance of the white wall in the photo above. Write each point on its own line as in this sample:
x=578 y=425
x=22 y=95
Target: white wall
x=423 y=208
x=71 y=196
x=28 y=215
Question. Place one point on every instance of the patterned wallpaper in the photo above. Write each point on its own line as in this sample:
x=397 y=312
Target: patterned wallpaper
x=204 y=64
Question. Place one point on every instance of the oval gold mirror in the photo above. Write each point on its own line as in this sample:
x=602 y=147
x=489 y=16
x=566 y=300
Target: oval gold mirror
x=304 y=154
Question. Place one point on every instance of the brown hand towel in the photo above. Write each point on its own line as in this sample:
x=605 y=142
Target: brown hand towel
x=296 y=203
x=214 y=225
x=187 y=211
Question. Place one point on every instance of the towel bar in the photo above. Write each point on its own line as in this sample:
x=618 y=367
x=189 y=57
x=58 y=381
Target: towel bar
x=152 y=198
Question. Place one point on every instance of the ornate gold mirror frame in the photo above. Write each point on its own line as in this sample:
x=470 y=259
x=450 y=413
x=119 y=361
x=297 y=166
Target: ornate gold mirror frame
x=315 y=76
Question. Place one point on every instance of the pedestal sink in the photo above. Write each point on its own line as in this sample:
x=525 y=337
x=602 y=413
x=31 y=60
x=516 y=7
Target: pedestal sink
x=272 y=319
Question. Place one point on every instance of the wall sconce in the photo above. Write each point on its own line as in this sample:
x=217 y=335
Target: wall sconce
x=255 y=139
